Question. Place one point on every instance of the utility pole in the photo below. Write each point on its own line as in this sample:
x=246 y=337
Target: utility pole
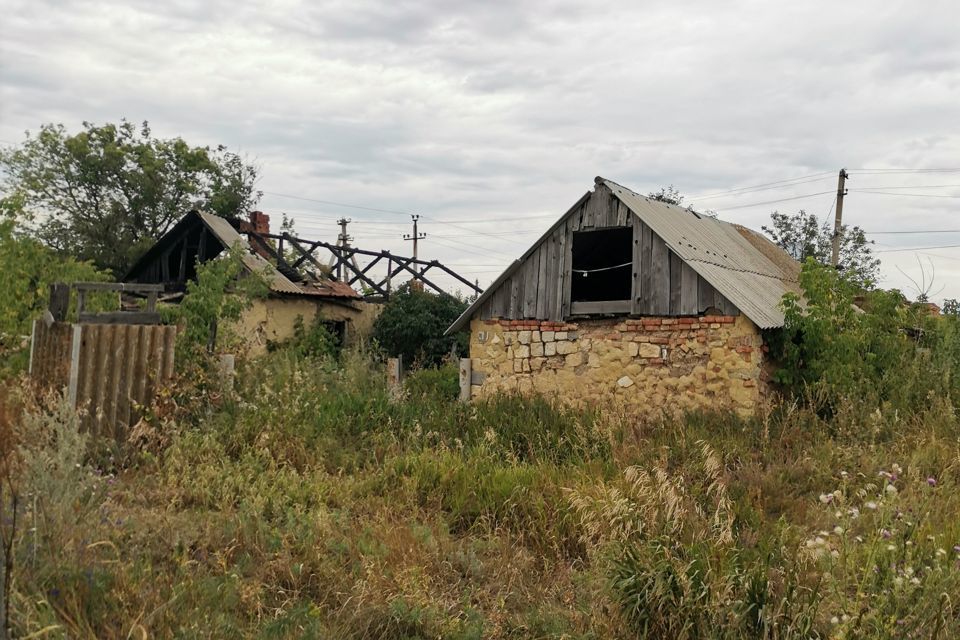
x=837 y=220
x=343 y=240
x=415 y=237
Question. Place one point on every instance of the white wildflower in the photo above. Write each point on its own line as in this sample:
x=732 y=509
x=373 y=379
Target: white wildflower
x=892 y=490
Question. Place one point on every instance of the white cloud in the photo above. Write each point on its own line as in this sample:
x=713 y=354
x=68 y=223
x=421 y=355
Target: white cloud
x=509 y=109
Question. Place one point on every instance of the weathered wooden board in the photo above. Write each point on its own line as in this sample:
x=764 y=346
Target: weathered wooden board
x=107 y=371
x=663 y=284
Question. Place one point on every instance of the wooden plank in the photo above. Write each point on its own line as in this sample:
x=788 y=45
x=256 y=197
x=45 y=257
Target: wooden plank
x=728 y=308
x=120 y=317
x=646 y=269
x=706 y=295
x=575 y=222
x=137 y=372
x=59 y=301
x=87 y=375
x=531 y=268
x=126 y=379
x=600 y=307
x=134 y=287
x=623 y=215
x=142 y=384
x=567 y=273
x=102 y=354
x=660 y=261
x=676 y=270
x=169 y=347
x=119 y=360
x=515 y=296
x=635 y=289
x=543 y=257
x=689 y=294
x=553 y=277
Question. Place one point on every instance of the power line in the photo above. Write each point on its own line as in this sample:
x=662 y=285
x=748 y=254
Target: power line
x=909 y=195
x=877 y=233
x=757 y=204
x=337 y=204
x=892 y=171
x=913 y=186
x=942 y=246
x=813 y=177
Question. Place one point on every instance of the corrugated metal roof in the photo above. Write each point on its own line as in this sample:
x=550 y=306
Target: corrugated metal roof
x=278 y=283
x=726 y=255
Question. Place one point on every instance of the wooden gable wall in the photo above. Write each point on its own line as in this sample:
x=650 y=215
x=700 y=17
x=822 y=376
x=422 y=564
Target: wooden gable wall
x=663 y=285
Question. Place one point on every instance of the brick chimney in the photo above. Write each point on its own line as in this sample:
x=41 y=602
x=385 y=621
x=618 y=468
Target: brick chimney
x=260 y=222
x=260 y=225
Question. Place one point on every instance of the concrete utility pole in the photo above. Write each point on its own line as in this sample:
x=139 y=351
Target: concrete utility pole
x=343 y=240
x=415 y=237
x=837 y=220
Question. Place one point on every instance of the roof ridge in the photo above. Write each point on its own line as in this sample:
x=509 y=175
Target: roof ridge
x=728 y=268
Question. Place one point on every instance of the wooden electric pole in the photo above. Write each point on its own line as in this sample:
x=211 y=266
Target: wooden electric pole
x=838 y=218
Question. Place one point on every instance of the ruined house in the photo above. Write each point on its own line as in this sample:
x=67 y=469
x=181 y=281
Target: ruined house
x=630 y=299
x=292 y=297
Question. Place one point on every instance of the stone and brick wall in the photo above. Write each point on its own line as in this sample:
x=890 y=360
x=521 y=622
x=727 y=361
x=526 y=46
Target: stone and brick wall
x=666 y=364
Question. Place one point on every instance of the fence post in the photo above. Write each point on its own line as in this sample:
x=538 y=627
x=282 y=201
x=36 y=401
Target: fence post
x=73 y=378
x=394 y=372
x=59 y=301
x=466 y=378
x=227 y=365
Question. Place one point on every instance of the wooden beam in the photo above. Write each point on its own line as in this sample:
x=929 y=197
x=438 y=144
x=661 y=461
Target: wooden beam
x=600 y=307
x=119 y=317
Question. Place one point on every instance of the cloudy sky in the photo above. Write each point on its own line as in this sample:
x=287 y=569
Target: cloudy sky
x=491 y=118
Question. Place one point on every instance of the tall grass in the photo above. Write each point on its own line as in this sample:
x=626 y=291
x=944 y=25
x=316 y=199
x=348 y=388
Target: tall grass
x=313 y=501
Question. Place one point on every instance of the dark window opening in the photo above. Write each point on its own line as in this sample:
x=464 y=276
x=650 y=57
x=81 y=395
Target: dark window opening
x=602 y=265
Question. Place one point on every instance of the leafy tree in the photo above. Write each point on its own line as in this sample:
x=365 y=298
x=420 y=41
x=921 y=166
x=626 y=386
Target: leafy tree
x=803 y=236
x=108 y=192
x=951 y=307
x=27 y=269
x=878 y=349
x=222 y=291
x=412 y=325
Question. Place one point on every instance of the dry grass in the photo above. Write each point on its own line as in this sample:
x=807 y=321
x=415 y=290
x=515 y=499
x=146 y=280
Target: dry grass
x=313 y=504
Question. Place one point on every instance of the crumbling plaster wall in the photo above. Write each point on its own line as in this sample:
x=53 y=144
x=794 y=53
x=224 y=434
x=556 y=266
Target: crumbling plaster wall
x=272 y=319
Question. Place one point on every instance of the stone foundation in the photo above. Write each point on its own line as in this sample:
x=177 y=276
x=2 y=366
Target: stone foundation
x=664 y=364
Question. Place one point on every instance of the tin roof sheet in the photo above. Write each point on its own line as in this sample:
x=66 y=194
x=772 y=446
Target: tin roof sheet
x=749 y=270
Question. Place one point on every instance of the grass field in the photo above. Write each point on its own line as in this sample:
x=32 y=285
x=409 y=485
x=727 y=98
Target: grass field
x=309 y=502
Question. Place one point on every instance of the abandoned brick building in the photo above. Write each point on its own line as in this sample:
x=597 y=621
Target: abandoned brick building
x=292 y=299
x=630 y=299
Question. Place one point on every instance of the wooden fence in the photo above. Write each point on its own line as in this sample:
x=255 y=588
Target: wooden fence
x=107 y=370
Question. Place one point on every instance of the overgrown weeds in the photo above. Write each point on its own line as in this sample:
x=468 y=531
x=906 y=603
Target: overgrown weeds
x=311 y=501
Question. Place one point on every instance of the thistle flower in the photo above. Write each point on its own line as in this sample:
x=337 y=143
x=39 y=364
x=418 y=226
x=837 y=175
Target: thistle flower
x=932 y=481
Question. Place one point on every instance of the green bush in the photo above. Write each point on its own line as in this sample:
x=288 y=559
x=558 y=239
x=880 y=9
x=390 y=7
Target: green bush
x=840 y=342
x=412 y=326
